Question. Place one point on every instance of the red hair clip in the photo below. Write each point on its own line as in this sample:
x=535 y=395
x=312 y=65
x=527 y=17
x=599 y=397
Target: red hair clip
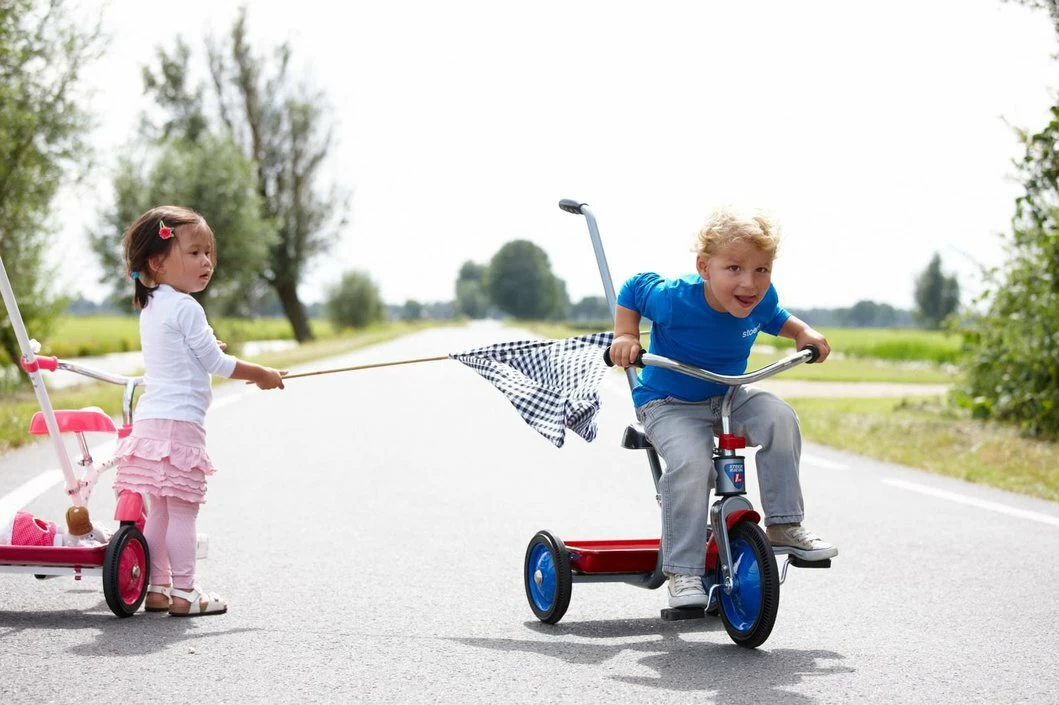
x=164 y=231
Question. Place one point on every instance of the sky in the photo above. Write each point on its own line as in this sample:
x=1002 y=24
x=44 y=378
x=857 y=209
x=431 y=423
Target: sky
x=876 y=137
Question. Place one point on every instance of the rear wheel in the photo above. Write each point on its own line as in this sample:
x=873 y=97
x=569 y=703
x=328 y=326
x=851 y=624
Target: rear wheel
x=548 y=578
x=126 y=570
x=749 y=612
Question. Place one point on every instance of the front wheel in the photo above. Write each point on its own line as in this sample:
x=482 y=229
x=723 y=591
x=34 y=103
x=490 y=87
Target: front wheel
x=548 y=578
x=126 y=570
x=749 y=612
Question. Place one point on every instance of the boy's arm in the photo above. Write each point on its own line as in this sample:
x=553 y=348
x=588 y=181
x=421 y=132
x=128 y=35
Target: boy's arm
x=626 y=346
x=803 y=334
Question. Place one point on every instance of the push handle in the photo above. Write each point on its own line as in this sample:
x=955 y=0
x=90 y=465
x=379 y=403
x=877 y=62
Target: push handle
x=815 y=353
x=571 y=206
x=40 y=362
x=610 y=363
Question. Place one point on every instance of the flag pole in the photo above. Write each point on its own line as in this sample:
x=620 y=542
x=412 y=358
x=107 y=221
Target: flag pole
x=365 y=367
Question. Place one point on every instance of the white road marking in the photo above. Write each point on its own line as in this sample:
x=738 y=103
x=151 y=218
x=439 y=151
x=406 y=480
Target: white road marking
x=28 y=491
x=972 y=501
x=823 y=463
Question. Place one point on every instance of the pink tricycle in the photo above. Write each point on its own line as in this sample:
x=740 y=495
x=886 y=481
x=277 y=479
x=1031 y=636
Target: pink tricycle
x=122 y=559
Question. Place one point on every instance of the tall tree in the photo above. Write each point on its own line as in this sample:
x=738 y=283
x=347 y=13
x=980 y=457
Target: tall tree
x=282 y=127
x=43 y=51
x=1013 y=365
x=521 y=282
x=937 y=296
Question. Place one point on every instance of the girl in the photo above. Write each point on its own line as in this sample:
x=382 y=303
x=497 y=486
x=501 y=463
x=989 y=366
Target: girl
x=169 y=252
x=710 y=319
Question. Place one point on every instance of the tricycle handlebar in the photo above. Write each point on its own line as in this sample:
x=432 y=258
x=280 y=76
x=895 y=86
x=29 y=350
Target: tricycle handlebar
x=807 y=354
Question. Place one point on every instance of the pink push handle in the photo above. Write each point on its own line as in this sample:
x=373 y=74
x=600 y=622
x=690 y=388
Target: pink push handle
x=40 y=362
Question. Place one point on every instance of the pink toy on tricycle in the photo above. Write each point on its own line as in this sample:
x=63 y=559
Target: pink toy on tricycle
x=84 y=548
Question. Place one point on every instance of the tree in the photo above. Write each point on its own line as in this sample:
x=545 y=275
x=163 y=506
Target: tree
x=211 y=173
x=412 y=310
x=354 y=302
x=591 y=308
x=43 y=51
x=937 y=296
x=471 y=298
x=521 y=282
x=1013 y=365
x=282 y=128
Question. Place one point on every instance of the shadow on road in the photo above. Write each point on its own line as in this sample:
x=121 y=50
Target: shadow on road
x=140 y=634
x=725 y=671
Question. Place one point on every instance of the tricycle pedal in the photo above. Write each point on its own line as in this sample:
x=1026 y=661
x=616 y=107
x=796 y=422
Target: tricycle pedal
x=675 y=614
x=802 y=563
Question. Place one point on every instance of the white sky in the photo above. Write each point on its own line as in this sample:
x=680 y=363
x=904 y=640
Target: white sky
x=877 y=133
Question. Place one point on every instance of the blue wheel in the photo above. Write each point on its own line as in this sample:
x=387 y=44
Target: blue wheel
x=749 y=612
x=547 y=577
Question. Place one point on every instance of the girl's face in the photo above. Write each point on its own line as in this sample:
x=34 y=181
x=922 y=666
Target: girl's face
x=737 y=277
x=188 y=265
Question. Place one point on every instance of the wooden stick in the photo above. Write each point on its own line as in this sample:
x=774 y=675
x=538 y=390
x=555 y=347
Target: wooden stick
x=365 y=367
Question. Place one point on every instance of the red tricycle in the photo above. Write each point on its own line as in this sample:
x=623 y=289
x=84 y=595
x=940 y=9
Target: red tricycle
x=741 y=577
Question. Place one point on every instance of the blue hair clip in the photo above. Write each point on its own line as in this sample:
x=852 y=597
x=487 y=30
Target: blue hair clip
x=135 y=275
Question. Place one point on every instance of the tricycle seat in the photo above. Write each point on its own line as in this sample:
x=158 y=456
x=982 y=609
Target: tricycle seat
x=91 y=419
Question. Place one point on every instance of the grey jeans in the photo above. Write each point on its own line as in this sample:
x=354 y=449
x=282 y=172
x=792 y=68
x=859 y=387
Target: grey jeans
x=682 y=433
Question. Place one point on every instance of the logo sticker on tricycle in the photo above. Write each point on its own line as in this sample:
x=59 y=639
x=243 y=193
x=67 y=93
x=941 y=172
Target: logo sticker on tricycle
x=735 y=473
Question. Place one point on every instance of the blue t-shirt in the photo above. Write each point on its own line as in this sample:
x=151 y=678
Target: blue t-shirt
x=687 y=329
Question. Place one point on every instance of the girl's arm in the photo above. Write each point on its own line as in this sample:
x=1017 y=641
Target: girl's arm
x=263 y=377
x=626 y=346
x=803 y=334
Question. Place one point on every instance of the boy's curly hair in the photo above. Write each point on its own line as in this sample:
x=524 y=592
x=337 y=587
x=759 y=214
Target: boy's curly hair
x=727 y=225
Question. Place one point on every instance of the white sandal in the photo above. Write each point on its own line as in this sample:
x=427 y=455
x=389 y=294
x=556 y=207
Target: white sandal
x=158 y=590
x=215 y=604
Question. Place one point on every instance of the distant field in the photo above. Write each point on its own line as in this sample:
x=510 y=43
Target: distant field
x=79 y=336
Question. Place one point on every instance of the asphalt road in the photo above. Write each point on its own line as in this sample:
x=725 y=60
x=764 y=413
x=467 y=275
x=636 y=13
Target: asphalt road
x=369 y=528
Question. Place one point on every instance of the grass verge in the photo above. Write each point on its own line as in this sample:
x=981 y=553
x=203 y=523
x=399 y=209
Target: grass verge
x=927 y=434
x=17 y=408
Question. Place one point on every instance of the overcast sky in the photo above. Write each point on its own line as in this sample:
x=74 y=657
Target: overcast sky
x=877 y=133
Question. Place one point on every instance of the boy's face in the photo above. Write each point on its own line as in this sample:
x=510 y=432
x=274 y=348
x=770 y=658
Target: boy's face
x=737 y=277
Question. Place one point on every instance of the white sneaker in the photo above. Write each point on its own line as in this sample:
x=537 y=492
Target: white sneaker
x=800 y=542
x=686 y=591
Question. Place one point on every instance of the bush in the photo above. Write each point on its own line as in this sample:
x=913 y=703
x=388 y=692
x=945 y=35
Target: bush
x=354 y=302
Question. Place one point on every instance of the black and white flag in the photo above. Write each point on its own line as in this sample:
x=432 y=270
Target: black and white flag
x=552 y=383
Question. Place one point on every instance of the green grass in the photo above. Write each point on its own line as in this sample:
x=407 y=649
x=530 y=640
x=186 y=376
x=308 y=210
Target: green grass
x=81 y=336
x=18 y=406
x=927 y=433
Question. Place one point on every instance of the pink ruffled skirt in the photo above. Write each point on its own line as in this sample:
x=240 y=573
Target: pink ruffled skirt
x=165 y=458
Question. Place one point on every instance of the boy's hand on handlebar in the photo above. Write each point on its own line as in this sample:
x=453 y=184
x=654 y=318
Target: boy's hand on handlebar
x=624 y=351
x=812 y=337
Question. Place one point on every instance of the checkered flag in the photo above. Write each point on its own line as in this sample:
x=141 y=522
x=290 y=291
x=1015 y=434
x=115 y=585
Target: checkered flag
x=552 y=383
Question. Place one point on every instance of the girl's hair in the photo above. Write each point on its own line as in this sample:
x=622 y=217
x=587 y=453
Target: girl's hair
x=728 y=225
x=143 y=240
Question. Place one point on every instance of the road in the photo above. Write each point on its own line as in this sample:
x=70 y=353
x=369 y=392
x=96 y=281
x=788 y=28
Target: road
x=369 y=529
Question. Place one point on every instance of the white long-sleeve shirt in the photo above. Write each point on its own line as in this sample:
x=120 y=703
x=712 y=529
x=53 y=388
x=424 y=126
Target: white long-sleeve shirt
x=180 y=353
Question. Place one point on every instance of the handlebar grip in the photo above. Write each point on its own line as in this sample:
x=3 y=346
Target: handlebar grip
x=571 y=206
x=610 y=363
x=815 y=353
x=40 y=362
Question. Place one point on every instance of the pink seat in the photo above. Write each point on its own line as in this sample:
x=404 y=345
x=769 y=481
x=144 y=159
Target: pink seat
x=88 y=420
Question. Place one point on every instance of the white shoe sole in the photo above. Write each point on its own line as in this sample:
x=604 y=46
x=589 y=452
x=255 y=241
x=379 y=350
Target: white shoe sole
x=685 y=601
x=818 y=554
